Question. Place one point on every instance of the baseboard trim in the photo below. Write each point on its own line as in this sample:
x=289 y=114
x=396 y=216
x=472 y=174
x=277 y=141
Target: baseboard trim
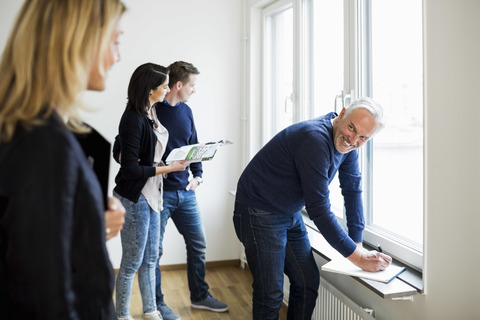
x=209 y=264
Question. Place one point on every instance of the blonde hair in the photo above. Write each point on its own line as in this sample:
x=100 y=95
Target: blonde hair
x=48 y=57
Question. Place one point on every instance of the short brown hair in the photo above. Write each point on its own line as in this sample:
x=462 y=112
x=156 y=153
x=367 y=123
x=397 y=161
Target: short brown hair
x=181 y=71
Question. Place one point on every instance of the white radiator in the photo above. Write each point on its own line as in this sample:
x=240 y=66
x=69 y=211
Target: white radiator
x=334 y=305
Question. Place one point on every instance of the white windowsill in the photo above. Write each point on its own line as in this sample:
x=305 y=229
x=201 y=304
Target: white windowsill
x=407 y=284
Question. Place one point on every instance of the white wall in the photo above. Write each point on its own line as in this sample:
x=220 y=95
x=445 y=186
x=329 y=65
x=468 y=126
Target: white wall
x=210 y=37
x=208 y=34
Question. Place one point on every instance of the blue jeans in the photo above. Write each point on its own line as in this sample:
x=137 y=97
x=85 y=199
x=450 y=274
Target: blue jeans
x=181 y=206
x=139 y=252
x=276 y=244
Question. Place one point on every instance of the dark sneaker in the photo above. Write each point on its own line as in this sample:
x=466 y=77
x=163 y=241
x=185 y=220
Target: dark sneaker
x=166 y=312
x=210 y=303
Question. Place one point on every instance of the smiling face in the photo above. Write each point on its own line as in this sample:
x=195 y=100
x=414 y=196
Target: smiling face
x=351 y=131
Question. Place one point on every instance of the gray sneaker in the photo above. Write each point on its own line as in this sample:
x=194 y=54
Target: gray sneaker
x=166 y=312
x=210 y=303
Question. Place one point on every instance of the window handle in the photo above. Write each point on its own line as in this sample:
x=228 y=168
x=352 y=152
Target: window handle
x=345 y=99
x=288 y=98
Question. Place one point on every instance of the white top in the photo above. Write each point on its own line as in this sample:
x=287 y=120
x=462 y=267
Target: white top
x=153 y=189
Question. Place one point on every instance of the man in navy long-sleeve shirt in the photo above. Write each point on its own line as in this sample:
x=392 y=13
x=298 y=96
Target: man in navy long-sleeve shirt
x=294 y=170
x=179 y=200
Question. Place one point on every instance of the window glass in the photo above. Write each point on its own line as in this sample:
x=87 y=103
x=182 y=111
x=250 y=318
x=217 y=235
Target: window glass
x=328 y=39
x=279 y=75
x=328 y=74
x=397 y=83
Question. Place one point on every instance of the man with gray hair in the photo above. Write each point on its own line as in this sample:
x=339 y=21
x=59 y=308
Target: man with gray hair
x=294 y=170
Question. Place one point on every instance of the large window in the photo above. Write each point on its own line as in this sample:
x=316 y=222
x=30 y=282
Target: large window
x=350 y=49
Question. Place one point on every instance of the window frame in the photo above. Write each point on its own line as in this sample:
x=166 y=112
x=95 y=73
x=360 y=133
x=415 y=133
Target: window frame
x=357 y=82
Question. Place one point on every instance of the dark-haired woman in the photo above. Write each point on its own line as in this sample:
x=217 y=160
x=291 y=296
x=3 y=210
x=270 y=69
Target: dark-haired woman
x=139 y=187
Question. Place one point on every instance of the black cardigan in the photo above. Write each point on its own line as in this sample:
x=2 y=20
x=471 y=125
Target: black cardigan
x=137 y=142
x=54 y=262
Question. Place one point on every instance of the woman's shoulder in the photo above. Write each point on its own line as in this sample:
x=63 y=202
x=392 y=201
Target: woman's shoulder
x=131 y=121
x=131 y=116
x=51 y=133
x=45 y=148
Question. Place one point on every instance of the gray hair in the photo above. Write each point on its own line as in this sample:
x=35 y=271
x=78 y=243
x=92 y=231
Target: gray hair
x=371 y=106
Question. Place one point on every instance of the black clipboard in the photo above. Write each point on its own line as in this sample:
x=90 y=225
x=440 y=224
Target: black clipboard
x=97 y=150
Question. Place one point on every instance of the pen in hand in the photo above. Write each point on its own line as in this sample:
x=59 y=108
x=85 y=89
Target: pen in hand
x=383 y=256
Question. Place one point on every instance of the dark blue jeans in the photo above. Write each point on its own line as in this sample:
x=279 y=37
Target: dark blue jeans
x=276 y=244
x=181 y=206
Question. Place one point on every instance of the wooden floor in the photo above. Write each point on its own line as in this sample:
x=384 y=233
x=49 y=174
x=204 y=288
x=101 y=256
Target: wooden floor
x=229 y=284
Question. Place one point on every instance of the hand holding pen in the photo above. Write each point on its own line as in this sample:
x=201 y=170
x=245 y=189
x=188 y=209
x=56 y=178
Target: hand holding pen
x=371 y=261
x=382 y=256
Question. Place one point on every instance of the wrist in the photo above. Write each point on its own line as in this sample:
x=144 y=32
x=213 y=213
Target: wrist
x=199 y=180
x=356 y=256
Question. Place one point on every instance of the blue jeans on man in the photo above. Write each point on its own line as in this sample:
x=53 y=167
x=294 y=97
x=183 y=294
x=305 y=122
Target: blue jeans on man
x=182 y=207
x=276 y=244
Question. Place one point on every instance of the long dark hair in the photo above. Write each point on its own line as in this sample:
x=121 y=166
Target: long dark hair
x=146 y=77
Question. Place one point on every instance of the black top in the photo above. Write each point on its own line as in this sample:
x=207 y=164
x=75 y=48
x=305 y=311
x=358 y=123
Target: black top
x=137 y=142
x=54 y=262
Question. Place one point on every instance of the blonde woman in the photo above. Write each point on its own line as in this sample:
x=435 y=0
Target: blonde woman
x=53 y=259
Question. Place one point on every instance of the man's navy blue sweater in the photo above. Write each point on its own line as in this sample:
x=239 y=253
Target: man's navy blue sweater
x=179 y=122
x=294 y=169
